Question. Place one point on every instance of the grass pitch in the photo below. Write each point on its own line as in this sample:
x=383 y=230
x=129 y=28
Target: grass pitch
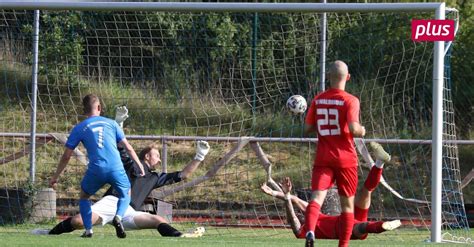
x=105 y=236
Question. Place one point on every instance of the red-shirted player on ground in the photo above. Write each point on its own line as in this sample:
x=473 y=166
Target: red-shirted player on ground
x=334 y=116
x=327 y=226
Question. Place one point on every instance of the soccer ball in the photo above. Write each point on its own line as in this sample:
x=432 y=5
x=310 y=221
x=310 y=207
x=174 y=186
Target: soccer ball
x=296 y=104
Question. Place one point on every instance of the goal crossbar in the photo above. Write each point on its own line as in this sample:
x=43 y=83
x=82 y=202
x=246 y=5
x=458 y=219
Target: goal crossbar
x=220 y=7
x=251 y=139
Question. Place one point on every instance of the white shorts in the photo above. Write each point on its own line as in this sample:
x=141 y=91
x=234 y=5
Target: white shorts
x=106 y=209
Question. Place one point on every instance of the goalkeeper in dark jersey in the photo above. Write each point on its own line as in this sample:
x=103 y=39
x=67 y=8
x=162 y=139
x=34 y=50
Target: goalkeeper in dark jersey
x=103 y=211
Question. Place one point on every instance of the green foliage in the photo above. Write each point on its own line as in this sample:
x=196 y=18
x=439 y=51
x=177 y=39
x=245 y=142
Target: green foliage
x=60 y=45
x=198 y=54
x=462 y=72
x=466 y=158
x=14 y=81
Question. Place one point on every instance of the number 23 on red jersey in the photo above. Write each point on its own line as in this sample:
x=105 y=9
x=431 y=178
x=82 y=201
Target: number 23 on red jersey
x=328 y=123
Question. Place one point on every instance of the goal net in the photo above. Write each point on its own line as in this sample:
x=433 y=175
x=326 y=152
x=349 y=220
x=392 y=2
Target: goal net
x=223 y=77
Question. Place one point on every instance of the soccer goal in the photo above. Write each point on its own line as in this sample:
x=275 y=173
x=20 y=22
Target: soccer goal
x=222 y=72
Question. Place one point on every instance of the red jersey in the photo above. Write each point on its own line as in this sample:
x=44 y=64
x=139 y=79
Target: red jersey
x=328 y=228
x=331 y=112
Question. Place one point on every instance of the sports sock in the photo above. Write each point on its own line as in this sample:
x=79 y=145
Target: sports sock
x=86 y=213
x=64 y=226
x=373 y=178
x=312 y=215
x=361 y=214
x=345 y=228
x=374 y=227
x=167 y=231
x=122 y=205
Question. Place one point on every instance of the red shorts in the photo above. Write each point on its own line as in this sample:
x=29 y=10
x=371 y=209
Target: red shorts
x=346 y=178
x=327 y=230
x=302 y=232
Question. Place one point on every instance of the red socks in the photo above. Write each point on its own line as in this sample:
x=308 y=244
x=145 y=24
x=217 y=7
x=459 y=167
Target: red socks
x=312 y=215
x=345 y=228
x=361 y=214
x=373 y=178
x=374 y=227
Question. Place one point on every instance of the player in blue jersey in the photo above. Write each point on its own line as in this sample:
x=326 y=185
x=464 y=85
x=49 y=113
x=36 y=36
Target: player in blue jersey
x=104 y=210
x=100 y=137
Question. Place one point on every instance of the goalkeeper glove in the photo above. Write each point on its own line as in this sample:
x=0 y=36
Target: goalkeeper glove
x=202 y=148
x=121 y=115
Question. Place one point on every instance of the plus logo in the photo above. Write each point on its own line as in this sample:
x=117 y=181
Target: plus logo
x=432 y=30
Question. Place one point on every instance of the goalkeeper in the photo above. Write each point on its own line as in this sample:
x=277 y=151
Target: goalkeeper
x=328 y=226
x=104 y=210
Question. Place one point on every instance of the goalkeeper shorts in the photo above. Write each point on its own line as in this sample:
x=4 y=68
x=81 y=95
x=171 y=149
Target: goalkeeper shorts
x=106 y=209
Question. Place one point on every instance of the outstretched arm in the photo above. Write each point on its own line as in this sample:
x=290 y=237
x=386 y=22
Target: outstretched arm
x=280 y=195
x=202 y=148
x=121 y=115
x=290 y=211
x=289 y=199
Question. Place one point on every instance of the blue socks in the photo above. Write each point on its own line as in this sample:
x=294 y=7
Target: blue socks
x=86 y=213
x=122 y=205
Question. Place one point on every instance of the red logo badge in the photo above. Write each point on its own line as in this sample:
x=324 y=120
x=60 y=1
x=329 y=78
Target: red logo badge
x=432 y=30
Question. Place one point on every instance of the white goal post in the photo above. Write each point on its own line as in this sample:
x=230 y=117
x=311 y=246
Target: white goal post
x=438 y=9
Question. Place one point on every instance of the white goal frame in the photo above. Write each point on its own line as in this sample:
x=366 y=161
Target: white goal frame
x=438 y=60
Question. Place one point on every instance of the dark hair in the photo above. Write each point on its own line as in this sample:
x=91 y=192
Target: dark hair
x=88 y=102
x=146 y=150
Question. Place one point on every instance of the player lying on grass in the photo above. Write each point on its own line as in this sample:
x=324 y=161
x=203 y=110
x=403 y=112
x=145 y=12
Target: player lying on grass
x=104 y=210
x=328 y=226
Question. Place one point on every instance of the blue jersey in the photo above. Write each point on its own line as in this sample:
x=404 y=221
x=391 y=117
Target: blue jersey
x=100 y=136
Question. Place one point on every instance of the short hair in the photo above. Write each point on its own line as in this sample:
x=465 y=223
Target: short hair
x=89 y=101
x=146 y=150
x=338 y=70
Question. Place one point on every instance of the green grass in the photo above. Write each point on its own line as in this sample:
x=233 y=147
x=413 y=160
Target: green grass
x=105 y=236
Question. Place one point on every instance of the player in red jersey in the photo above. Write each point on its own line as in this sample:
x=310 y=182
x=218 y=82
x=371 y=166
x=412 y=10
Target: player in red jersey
x=334 y=116
x=327 y=226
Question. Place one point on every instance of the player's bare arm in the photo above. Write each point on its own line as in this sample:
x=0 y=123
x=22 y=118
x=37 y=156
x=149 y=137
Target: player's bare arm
x=286 y=187
x=61 y=166
x=280 y=195
x=357 y=129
